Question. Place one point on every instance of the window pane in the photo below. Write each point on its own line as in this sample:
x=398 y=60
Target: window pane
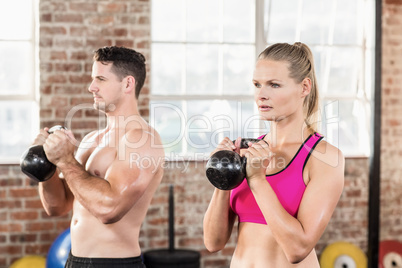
x=19 y=121
x=282 y=21
x=202 y=20
x=168 y=119
x=344 y=73
x=238 y=63
x=345 y=125
x=167 y=20
x=368 y=21
x=348 y=23
x=249 y=126
x=16 y=68
x=201 y=125
x=369 y=78
x=167 y=64
x=239 y=21
x=316 y=21
x=16 y=20
x=202 y=69
x=210 y=121
x=319 y=64
x=337 y=69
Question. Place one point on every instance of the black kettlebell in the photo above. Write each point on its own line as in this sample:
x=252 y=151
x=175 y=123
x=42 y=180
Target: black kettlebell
x=227 y=169
x=35 y=164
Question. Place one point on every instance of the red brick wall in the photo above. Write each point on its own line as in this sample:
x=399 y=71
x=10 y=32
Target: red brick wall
x=391 y=151
x=350 y=219
x=69 y=32
x=192 y=195
x=25 y=228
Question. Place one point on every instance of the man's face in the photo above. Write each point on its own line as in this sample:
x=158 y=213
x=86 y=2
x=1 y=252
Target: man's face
x=106 y=86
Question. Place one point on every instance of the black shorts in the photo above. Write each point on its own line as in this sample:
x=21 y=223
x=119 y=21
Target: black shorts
x=78 y=262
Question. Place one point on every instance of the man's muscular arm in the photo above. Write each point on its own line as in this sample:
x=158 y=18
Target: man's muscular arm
x=109 y=198
x=55 y=196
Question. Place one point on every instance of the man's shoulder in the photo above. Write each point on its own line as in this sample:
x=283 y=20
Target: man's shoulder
x=143 y=138
x=142 y=133
x=144 y=147
x=91 y=135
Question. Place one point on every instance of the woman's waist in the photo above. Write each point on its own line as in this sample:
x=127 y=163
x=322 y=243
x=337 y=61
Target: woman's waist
x=258 y=257
x=257 y=247
x=256 y=236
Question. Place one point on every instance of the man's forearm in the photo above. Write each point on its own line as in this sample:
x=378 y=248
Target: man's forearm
x=90 y=191
x=55 y=198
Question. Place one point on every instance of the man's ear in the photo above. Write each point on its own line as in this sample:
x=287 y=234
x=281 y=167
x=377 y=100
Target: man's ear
x=306 y=86
x=129 y=84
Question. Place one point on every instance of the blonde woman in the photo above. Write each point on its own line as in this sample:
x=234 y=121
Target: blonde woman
x=293 y=184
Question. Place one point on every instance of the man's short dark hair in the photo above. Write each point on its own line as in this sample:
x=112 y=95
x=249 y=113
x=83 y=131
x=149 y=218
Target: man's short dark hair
x=126 y=62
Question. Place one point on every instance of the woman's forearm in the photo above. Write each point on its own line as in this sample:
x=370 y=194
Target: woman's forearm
x=218 y=221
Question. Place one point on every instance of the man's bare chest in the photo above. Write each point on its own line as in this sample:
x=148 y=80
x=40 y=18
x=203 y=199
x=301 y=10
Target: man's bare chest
x=100 y=160
x=97 y=157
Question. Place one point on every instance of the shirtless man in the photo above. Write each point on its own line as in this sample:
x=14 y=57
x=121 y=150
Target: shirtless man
x=105 y=184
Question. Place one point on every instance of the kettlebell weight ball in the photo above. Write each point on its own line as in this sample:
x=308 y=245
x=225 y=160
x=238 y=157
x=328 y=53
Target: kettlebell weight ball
x=227 y=169
x=34 y=162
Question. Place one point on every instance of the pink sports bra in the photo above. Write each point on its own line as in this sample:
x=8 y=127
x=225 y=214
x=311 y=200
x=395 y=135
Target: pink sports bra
x=288 y=185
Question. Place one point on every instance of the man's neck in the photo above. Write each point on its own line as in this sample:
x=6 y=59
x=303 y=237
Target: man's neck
x=123 y=116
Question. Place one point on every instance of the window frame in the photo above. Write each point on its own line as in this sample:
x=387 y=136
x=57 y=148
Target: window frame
x=259 y=44
x=33 y=94
x=184 y=98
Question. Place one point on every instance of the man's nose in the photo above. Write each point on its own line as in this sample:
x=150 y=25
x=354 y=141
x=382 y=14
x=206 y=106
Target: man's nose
x=92 y=88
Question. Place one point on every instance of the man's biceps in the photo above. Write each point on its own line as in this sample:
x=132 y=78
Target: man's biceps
x=144 y=162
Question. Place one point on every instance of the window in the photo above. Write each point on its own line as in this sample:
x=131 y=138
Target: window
x=202 y=62
x=340 y=34
x=18 y=104
x=203 y=55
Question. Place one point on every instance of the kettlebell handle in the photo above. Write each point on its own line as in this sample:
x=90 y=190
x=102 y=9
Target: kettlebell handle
x=227 y=169
x=54 y=128
x=34 y=162
x=244 y=142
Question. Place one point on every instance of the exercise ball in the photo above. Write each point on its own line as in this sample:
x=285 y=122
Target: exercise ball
x=30 y=262
x=59 y=251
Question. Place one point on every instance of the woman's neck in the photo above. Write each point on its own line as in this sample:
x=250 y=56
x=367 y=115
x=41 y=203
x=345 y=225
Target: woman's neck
x=281 y=133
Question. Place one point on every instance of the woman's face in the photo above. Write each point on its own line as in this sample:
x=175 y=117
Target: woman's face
x=277 y=95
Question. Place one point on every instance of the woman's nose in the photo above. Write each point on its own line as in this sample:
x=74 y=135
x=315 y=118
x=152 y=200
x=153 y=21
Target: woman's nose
x=261 y=94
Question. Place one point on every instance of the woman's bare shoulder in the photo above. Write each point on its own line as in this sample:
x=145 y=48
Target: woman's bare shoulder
x=327 y=155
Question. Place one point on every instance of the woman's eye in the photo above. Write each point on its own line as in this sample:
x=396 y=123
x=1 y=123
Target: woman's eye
x=257 y=85
x=274 y=85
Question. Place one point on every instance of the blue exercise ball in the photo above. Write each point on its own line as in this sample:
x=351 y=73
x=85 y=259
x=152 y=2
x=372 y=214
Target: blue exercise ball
x=59 y=251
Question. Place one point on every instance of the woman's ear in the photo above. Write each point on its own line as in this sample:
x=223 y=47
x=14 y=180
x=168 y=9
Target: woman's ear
x=306 y=87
